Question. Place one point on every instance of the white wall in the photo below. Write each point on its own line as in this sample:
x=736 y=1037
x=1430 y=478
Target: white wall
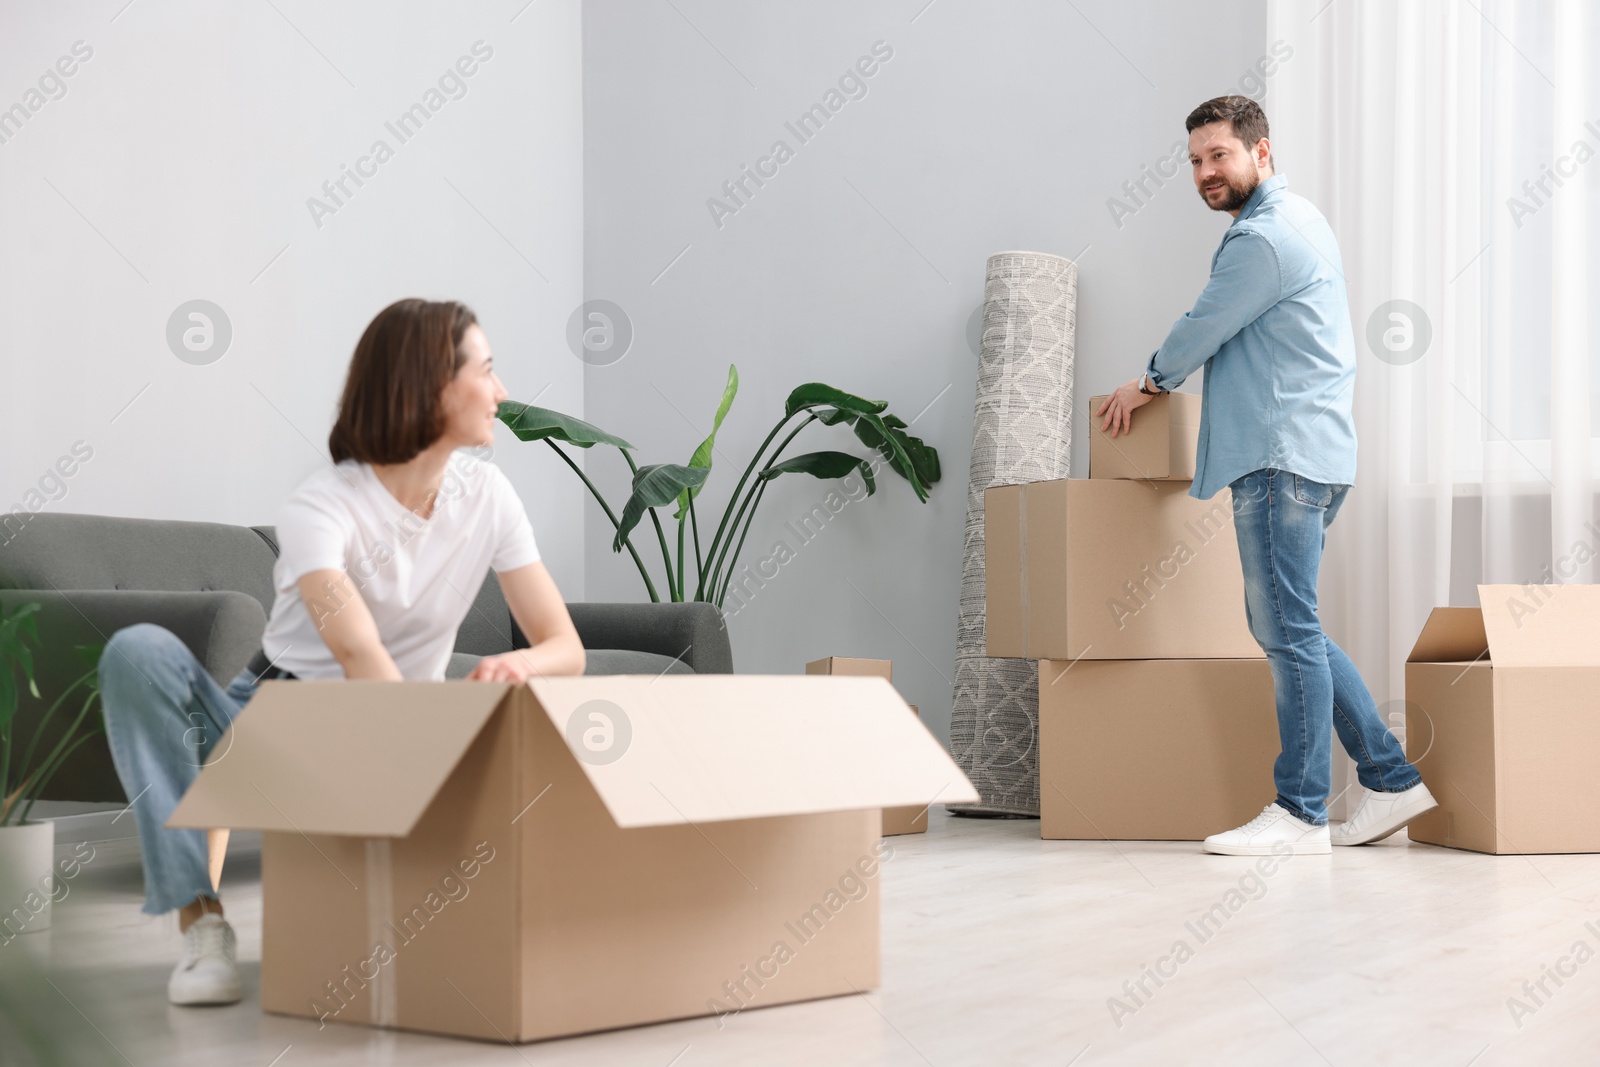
x=993 y=127
x=178 y=165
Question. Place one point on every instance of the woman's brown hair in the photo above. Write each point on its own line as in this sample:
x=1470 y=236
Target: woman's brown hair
x=391 y=409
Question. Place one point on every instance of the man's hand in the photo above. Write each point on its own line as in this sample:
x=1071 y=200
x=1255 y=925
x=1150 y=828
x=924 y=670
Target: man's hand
x=509 y=667
x=1118 y=408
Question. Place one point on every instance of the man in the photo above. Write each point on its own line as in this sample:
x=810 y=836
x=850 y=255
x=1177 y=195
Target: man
x=1272 y=329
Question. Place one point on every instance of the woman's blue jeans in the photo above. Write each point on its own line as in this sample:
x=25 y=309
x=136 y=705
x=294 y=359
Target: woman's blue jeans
x=164 y=715
x=1281 y=520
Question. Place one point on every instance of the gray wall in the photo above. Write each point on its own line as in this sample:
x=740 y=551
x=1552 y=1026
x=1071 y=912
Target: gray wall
x=178 y=165
x=860 y=263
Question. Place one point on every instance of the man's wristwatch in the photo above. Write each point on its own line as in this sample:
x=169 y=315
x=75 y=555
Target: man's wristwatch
x=1144 y=380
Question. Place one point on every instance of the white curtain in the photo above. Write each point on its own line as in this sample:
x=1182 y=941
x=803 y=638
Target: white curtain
x=1454 y=146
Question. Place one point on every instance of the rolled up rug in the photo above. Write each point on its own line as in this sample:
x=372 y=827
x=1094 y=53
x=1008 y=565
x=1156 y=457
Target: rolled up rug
x=1021 y=432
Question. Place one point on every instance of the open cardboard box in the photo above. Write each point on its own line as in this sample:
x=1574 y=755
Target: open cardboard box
x=1112 y=569
x=906 y=819
x=1160 y=446
x=576 y=854
x=1503 y=721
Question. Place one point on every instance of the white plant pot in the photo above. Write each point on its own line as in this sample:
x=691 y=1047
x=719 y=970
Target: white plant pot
x=27 y=863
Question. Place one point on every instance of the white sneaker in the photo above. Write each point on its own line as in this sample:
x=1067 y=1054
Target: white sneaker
x=1268 y=833
x=1381 y=814
x=207 y=973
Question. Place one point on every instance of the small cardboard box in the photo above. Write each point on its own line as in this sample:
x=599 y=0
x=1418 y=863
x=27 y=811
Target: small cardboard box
x=1112 y=569
x=1154 y=750
x=515 y=863
x=848 y=665
x=1503 y=721
x=1160 y=446
x=905 y=819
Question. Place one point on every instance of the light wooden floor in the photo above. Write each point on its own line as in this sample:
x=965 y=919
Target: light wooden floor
x=998 y=948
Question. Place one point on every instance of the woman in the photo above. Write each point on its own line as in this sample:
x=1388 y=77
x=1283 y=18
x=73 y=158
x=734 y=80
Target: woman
x=380 y=557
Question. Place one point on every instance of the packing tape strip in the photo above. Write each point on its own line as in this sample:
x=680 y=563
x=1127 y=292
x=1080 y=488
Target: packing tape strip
x=1022 y=552
x=380 y=908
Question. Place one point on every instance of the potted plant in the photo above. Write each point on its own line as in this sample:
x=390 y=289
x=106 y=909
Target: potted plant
x=27 y=849
x=659 y=484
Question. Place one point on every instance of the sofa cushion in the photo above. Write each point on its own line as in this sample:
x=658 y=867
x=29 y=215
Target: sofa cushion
x=597 y=661
x=693 y=631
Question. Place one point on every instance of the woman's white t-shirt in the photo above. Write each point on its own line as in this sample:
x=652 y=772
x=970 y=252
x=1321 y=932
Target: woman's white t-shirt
x=418 y=577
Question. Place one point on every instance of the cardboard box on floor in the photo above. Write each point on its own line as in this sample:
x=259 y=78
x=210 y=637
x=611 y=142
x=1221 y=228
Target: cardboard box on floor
x=1112 y=569
x=905 y=819
x=575 y=854
x=1165 y=750
x=1160 y=446
x=1503 y=721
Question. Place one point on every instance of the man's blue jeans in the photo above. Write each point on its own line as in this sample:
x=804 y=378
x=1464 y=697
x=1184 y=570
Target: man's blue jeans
x=164 y=715
x=1281 y=520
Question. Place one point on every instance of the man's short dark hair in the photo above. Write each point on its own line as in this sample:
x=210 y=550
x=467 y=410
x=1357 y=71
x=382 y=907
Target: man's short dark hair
x=1242 y=114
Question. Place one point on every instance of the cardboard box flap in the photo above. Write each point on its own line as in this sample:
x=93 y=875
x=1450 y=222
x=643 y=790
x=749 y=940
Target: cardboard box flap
x=680 y=749
x=1542 y=625
x=348 y=757
x=1451 y=635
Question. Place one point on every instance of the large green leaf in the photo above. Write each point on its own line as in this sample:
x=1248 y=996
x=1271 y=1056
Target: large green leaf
x=531 y=423
x=654 y=486
x=813 y=393
x=17 y=629
x=824 y=465
x=877 y=432
x=702 y=455
x=908 y=456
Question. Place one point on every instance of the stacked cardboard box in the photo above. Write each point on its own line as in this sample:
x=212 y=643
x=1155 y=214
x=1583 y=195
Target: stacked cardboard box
x=1156 y=715
x=906 y=818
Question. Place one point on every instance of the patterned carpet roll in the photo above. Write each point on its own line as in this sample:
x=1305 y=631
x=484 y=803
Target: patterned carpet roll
x=1021 y=432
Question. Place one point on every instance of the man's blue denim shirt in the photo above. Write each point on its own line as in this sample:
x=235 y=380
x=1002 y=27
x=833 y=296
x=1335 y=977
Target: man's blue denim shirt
x=1272 y=329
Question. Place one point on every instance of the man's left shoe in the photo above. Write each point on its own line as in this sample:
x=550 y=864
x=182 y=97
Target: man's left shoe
x=1275 y=832
x=1381 y=814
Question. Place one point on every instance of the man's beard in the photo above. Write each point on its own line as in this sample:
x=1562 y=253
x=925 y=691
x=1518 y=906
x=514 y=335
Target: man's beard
x=1237 y=193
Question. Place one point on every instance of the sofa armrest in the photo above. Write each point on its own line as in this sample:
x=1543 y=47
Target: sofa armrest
x=690 y=631
x=221 y=627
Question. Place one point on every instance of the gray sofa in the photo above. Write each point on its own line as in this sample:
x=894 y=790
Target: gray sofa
x=211 y=585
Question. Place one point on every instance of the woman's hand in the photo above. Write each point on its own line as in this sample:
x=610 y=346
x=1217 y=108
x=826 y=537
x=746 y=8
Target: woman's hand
x=1118 y=408
x=514 y=667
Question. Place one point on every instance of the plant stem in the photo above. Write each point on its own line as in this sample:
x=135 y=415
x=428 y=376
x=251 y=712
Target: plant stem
x=57 y=754
x=5 y=756
x=661 y=535
x=681 y=524
x=716 y=538
x=716 y=567
x=44 y=720
x=666 y=556
x=728 y=580
x=721 y=556
x=648 y=584
x=44 y=779
x=699 y=563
